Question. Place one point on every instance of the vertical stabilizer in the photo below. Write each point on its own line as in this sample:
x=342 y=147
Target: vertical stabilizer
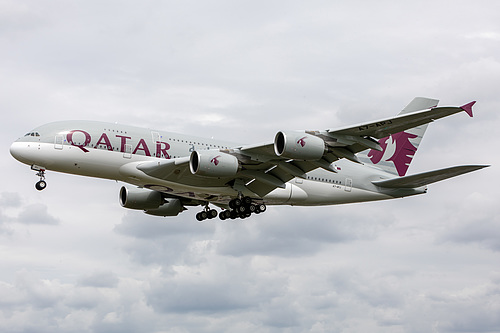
x=399 y=149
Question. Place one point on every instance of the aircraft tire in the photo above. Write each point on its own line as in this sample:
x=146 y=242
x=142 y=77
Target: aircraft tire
x=246 y=201
x=236 y=203
x=41 y=185
x=252 y=208
x=212 y=213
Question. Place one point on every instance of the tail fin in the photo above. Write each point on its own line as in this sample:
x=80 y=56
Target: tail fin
x=400 y=148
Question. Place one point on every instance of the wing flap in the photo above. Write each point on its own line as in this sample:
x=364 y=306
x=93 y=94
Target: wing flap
x=427 y=178
x=260 y=188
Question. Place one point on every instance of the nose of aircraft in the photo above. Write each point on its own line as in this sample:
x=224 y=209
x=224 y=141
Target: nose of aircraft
x=19 y=151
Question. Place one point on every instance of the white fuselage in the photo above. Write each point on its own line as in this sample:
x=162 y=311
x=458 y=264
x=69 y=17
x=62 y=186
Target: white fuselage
x=113 y=151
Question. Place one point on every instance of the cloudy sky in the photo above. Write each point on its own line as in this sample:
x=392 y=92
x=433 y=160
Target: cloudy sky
x=73 y=260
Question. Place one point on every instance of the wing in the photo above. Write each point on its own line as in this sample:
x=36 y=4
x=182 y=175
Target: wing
x=340 y=143
x=261 y=168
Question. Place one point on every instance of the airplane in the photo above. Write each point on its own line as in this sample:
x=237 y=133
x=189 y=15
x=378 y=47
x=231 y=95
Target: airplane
x=167 y=172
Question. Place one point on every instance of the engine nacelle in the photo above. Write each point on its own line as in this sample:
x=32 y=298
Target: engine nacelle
x=213 y=164
x=140 y=198
x=299 y=146
x=172 y=207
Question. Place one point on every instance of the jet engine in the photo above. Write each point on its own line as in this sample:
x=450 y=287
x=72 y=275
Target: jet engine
x=140 y=198
x=151 y=202
x=213 y=164
x=299 y=146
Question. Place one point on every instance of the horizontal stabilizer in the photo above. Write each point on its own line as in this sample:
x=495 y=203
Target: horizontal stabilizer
x=426 y=178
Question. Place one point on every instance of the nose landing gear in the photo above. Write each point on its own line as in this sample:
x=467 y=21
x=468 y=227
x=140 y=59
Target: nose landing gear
x=41 y=184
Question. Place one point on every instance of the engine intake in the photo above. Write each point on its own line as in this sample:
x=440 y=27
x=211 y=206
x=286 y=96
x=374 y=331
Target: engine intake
x=213 y=164
x=299 y=146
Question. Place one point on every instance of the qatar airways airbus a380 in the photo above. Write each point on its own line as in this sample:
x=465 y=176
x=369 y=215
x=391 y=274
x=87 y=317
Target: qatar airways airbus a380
x=168 y=172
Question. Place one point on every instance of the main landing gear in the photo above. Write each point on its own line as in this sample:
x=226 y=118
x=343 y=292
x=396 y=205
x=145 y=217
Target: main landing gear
x=207 y=213
x=41 y=184
x=241 y=208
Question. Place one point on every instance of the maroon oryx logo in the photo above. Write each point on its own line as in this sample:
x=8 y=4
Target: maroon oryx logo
x=302 y=141
x=215 y=160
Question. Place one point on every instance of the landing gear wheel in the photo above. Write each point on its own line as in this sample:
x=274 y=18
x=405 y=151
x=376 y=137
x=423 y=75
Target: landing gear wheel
x=235 y=203
x=212 y=214
x=246 y=201
x=227 y=214
x=41 y=185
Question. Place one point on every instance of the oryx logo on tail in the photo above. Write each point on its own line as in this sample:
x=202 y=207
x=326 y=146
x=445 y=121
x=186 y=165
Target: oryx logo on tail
x=397 y=149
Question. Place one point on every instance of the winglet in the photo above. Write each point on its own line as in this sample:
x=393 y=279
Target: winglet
x=468 y=108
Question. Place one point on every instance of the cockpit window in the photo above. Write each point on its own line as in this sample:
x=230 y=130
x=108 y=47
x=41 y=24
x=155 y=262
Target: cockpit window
x=32 y=134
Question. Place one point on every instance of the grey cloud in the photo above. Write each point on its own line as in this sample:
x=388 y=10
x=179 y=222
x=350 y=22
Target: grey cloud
x=472 y=309
x=139 y=225
x=278 y=232
x=4 y=227
x=476 y=220
x=164 y=241
x=376 y=289
x=41 y=294
x=10 y=199
x=484 y=232
x=36 y=214
x=198 y=297
x=213 y=289
x=281 y=313
x=298 y=232
x=99 y=280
